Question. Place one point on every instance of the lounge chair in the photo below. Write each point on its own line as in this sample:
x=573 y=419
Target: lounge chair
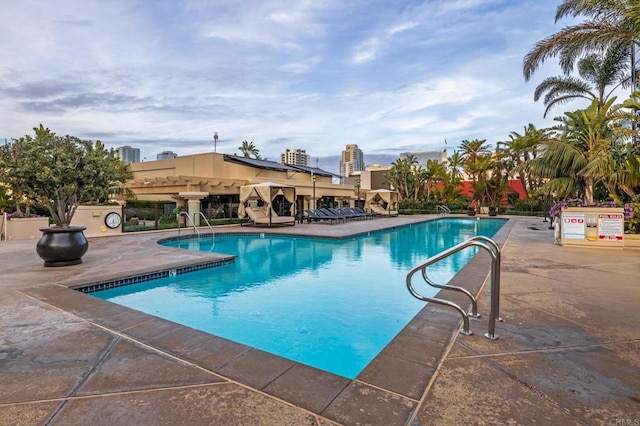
x=381 y=211
x=333 y=213
x=316 y=216
x=261 y=216
x=366 y=214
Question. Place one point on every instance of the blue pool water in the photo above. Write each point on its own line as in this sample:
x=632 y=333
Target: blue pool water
x=331 y=304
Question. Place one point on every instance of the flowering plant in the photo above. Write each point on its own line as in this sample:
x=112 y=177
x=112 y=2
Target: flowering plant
x=18 y=215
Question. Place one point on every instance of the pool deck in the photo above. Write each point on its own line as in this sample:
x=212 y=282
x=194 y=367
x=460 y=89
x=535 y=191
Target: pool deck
x=568 y=350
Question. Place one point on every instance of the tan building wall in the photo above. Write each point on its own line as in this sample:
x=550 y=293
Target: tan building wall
x=217 y=174
x=93 y=217
x=22 y=228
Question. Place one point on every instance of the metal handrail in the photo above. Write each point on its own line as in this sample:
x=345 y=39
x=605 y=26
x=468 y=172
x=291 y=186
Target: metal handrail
x=208 y=224
x=195 y=228
x=494 y=251
x=445 y=210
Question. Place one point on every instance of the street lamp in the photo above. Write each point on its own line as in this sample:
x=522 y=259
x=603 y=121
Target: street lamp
x=215 y=142
x=315 y=204
x=358 y=189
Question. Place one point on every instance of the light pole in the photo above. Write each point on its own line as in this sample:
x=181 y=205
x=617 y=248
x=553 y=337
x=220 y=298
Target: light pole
x=358 y=189
x=215 y=142
x=313 y=178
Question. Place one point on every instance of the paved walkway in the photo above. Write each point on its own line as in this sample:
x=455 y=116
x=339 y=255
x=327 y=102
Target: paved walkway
x=568 y=352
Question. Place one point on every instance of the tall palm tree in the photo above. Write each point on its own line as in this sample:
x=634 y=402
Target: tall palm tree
x=471 y=150
x=609 y=22
x=455 y=164
x=248 y=149
x=598 y=72
x=435 y=173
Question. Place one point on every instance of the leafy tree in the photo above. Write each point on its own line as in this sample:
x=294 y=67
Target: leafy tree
x=248 y=149
x=400 y=173
x=12 y=158
x=407 y=177
x=60 y=172
x=5 y=197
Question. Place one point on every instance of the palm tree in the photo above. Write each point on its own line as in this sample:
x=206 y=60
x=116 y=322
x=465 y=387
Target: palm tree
x=451 y=179
x=455 y=164
x=248 y=149
x=597 y=72
x=524 y=147
x=611 y=22
x=580 y=157
x=471 y=150
x=434 y=173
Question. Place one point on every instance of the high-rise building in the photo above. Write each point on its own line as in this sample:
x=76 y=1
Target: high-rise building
x=296 y=157
x=352 y=160
x=127 y=154
x=166 y=155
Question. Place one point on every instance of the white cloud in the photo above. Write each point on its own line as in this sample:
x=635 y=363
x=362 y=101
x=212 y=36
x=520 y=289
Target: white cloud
x=312 y=75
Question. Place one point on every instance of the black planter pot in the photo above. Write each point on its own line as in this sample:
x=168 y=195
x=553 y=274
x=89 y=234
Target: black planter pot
x=62 y=246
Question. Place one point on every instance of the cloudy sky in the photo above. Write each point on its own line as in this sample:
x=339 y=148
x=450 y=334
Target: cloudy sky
x=388 y=75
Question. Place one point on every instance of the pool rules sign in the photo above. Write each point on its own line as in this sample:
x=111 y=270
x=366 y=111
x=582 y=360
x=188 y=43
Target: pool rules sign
x=592 y=226
x=611 y=227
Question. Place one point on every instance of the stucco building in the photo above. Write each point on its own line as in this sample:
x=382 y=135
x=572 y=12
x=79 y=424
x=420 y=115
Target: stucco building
x=204 y=180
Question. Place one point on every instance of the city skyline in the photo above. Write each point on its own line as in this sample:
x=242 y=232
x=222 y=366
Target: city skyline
x=388 y=76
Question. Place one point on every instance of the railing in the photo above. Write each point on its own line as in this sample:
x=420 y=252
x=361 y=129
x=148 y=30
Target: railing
x=213 y=234
x=195 y=228
x=494 y=309
x=445 y=210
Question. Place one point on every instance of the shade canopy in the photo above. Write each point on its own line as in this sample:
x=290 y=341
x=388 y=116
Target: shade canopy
x=267 y=192
x=387 y=198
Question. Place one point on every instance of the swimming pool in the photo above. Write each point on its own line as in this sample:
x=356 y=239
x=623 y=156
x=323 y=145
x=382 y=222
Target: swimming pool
x=331 y=304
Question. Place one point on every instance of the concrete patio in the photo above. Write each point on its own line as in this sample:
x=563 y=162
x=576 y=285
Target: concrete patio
x=568 y=352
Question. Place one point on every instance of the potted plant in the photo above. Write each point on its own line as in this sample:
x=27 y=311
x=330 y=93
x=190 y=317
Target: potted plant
x=493 y=211
x=471 y=211
x=60 y=172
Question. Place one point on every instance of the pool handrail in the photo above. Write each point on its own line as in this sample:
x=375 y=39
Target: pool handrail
x=494 y=252
x=445 y=210
x=193 y=224
x=213 y=235
x=195 y=228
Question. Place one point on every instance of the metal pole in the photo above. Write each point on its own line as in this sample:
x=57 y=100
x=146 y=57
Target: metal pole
x=313 y=178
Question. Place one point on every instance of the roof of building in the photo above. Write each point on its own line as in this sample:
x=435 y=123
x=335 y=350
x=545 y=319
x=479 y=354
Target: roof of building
x=272 y=165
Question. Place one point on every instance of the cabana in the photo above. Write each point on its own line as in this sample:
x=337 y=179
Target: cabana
x=382 y=202
x=266 y=192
